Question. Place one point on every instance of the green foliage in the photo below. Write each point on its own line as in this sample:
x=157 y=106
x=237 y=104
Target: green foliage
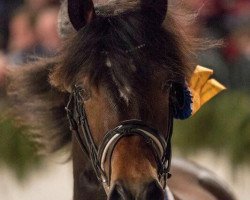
x=222 y=125
x=16 y=150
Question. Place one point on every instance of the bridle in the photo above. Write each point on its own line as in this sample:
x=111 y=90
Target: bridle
x=160 y=146
x=98 y=155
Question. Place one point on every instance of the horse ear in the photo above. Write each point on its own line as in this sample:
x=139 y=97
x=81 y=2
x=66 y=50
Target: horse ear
x=155 y=9
x=81 y=12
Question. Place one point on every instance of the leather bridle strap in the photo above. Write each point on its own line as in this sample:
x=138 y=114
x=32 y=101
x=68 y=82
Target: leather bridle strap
x=79 y=127
x=160 y=146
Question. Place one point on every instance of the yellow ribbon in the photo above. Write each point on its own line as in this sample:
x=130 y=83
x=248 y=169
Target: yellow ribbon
x=202 y=87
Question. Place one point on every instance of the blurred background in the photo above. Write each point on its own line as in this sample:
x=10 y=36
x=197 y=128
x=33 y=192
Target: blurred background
x=217 y=137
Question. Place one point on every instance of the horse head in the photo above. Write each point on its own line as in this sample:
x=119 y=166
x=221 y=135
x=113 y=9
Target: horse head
x=122 y=77
x=121 y=67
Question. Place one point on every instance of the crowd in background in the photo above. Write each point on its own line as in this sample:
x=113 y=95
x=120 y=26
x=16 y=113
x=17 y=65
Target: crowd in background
x=228 y=20
x=28 y=28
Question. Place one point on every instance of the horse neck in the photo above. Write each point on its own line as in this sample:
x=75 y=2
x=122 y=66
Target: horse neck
x=86 y=185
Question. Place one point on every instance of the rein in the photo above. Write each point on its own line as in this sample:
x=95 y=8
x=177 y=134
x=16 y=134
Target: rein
x=160 y=146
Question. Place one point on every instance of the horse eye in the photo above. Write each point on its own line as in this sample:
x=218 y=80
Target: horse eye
x=166 y=86
x=83 y=93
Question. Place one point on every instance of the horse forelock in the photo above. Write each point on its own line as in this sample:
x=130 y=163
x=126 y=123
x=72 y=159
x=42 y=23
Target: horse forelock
x=123 y=50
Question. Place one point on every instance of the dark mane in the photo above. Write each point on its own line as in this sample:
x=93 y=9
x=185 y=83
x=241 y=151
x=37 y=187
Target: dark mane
x=126 y=48
x=39 y=106
x=126 y=41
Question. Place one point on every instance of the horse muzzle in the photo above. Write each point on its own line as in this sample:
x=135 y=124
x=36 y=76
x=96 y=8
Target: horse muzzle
x=149 y=191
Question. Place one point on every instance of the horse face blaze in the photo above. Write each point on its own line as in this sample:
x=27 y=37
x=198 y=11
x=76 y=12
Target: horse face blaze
x=132 y=169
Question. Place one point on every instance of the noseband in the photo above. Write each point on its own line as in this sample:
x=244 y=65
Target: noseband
x=98 y=155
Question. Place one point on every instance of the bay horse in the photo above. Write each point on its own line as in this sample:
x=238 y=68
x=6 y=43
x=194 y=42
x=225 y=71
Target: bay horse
x=120 y=77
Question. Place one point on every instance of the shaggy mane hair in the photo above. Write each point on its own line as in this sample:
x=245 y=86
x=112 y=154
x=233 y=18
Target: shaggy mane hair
x=121 y=50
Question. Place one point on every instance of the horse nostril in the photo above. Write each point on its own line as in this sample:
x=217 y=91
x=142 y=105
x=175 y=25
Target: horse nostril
x=118 y=192
x=153 y=191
